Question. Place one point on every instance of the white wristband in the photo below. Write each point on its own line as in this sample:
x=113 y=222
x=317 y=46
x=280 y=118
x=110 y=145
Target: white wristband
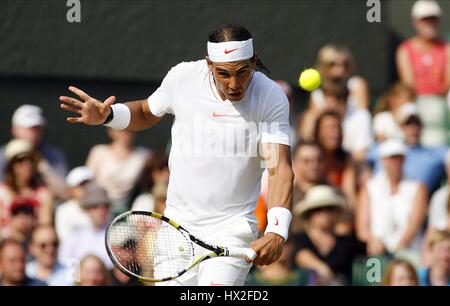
x=121 y=117
x=278 y=221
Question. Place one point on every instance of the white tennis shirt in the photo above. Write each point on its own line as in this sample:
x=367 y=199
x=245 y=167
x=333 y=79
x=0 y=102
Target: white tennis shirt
x=215 y=167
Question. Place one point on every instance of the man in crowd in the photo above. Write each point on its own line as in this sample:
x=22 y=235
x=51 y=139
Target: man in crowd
x=12 y=265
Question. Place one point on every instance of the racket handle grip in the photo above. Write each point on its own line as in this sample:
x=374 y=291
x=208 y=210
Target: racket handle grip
x=242 y=252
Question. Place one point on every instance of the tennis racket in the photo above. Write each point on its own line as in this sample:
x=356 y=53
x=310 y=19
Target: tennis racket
x=151 y=247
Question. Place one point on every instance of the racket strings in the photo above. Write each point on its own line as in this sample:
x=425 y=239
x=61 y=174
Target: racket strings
x=149 y=247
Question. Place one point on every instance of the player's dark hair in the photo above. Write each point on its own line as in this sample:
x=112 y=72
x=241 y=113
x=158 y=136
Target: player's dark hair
x=234 y=32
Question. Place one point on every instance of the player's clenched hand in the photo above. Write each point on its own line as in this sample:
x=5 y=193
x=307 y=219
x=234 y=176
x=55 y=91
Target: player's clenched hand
x=91 y=110
x=268 y=249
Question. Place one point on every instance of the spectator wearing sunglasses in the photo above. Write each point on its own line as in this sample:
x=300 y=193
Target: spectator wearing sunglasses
x=45 y=266
x=430 y=158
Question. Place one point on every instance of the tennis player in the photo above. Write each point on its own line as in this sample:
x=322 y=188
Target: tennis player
x=224 y=110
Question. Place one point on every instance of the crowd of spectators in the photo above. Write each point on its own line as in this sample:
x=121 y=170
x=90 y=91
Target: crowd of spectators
x=372 y=177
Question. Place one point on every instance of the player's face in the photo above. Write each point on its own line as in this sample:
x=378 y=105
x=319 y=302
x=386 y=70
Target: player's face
x=232 y=79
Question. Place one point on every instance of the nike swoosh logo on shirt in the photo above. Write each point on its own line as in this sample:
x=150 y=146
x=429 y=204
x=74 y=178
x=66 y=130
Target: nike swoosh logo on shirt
x=229 y=51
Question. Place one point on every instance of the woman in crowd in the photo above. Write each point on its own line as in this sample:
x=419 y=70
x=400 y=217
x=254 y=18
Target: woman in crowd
x=391 y=209
x=22 y=181
x=117 y=166
x=338 y=166
x=355 y=122
x=93 y=272
x=400 y=272
x=423 y=63
x=319 y=248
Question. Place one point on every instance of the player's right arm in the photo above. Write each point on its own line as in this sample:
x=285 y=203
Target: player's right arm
x=94 y=112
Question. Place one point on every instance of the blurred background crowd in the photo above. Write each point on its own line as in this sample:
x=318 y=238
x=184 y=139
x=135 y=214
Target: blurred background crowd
x=372 y=176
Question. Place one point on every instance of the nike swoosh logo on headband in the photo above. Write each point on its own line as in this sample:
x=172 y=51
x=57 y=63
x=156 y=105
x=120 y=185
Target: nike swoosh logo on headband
x=229 y=51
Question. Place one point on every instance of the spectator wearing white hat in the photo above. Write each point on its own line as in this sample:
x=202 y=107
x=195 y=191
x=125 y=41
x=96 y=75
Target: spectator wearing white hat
x=431 y=159
x=90 y=239
x=423 y=63
x=28 y=123
x=70 y=216
x=319 y=248
x=391 y=209
x=22 y=181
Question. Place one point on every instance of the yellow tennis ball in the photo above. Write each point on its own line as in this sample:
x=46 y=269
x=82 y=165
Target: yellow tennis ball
x=309 y=79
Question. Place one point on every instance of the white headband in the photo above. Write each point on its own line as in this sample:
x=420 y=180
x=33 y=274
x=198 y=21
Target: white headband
x=230 y=51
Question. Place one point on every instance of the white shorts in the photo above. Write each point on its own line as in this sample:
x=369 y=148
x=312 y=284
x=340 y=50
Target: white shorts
x=221 y=271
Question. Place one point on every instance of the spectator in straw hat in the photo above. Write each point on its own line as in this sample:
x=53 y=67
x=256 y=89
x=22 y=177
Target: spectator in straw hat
x=22 y=180
x=319 y=248
x=28 y=123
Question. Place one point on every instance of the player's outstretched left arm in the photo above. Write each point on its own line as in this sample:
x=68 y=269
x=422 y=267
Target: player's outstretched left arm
x=270 y=247
x=132 y=116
